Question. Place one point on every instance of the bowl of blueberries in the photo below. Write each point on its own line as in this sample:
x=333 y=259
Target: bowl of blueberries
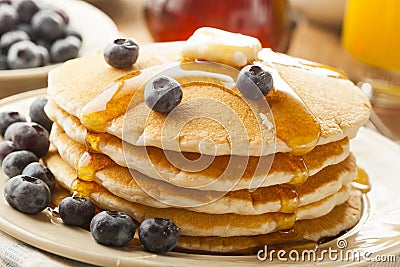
x=38 y=35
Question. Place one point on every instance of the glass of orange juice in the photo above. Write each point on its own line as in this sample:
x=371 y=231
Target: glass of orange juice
x=371 y=33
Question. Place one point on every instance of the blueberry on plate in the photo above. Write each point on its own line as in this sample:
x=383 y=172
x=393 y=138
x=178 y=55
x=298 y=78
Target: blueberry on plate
x=163 y=94
x=32 y=137
x=27 y=194
x=14 y=163
x=25 y=9
x=71 y=32
x=37 y=170
x=65 y=49
x=112 y=228
x=37 y=114
x=121 y=53
x=254 y=82
x=8 y=18
x=23 y=55
x=7 y=118
x=158 y=235
x=63 y=14
x=10 y=130
x=6 y=147
x=44 y=55
x=12 y=37
x=48 y=24
x=3 y=61
x=76 y=211
x=6 y=2
x=28 y=29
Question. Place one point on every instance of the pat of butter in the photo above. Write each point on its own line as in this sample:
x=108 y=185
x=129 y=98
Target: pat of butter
x=216 y=45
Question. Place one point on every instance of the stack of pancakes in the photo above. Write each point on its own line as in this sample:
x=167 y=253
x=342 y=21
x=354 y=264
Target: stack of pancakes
x=278 y=176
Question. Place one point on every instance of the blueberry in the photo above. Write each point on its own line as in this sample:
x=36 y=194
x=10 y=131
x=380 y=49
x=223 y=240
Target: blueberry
x=6 y=147
x=48 y=24
x=3 y=62
x=28 y=29
x=37 y=170
x=10 y=130
x=71 y=32
x=112 y=228
x=7 y=2
x=7 y=118
x=121 y=53
x=25 y=9
x=44 y=55
x=158 y=235
x=163 y=94
x=65 y=49
x=254 y=82
x=11 y=37
x=8 y=18
x=37 y=114
x=15 y=162
x=22 y=55
x=27 y=194
x=76 y=211
x=44 y=43
x=32 y=137
x=63 y=14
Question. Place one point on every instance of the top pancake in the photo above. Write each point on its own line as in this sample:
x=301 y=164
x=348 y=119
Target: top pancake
x=337 y=105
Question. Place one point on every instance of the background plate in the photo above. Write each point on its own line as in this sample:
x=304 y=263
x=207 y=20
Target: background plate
x=377 y=234
x=97 y=30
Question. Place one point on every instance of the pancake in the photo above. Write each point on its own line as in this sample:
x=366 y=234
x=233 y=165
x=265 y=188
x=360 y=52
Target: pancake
x=110 y=100
x=154 y=163
x=136 y=187
x=190 y=223
x=341 y=218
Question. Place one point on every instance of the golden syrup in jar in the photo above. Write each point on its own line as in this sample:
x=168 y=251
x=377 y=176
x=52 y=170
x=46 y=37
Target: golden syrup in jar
x=361 y=182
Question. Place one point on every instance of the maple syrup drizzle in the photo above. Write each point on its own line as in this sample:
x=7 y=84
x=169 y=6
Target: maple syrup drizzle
x=361 y=182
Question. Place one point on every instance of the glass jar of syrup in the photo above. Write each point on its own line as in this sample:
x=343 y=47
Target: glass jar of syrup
x=267 y=20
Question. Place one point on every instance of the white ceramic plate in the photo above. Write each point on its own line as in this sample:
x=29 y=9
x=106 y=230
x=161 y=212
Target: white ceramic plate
x=97 y=30
x=376 y=235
